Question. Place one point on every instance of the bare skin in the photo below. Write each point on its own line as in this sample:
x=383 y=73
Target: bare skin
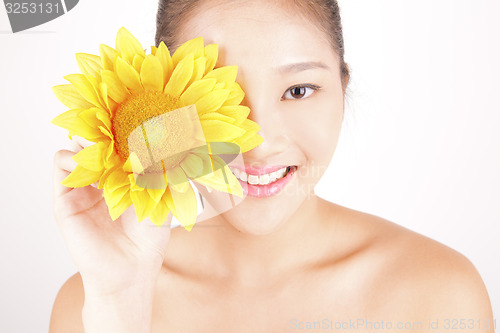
x=276 y=264
x=369 y=269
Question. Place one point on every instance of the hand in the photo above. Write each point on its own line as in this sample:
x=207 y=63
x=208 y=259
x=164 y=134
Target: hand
x=111 y=256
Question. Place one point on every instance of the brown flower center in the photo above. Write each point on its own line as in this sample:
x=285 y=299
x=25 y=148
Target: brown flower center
x=136 y=116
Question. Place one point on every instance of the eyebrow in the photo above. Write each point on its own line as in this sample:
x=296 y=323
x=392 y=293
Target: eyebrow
x=302 y=66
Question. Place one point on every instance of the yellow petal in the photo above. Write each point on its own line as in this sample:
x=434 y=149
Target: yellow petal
x=169 y=201
x=204 y=155
x=250 y=139
x=91 y=157
x=128 y=75
x=105 y=132
x=159 y=214
x=185 y=207
x=113 y=106
x=133 y=164
x=118 y=210
x=163 y=54
x=192 y=47
x=118 y=178
x=156 y=194
x=114 y=198
x=67 y=119
x=224 y=148
x=83 y=84
x=192 y=165
x=152 y=74
x=81 y=177
x=70 y=97
x=127 y=166
x=143 y=204
x=249 y=142
x=103 y=94
x=211 y=52
x=212 y=101
x=238 y=112
x=180 y=77
x=219 y=131
x=77 y=126
x=153 y=49
x=222 y=179
x=216 y=116
x=236 y=96
x=89 y=64
x=137 y=63
x=104 y=118
x=116 y=89
x=133 y=184
x=198 y=70
x=104 y=177
x=108 y=57
x=112 y=159
x=226 y=74
x=198 y=89
x=177 y=179
x=93 y=116
x=250 y=126
x=127 y=45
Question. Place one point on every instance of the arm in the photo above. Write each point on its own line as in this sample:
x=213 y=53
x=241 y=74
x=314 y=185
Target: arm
x=128 y=312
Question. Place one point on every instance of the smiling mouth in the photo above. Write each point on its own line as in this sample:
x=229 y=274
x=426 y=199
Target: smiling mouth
x=263 y=179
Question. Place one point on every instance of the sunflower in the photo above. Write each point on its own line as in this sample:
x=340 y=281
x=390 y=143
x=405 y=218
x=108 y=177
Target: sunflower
x=157 y=122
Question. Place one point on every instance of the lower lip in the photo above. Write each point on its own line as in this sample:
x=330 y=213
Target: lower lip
x=262 y=191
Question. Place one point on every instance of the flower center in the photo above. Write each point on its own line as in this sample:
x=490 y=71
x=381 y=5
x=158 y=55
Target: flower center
x=133 y=115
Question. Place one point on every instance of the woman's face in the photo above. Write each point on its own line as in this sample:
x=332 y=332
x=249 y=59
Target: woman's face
x=291 y=78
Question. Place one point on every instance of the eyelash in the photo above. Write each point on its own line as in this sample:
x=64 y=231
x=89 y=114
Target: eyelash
x=310 y=86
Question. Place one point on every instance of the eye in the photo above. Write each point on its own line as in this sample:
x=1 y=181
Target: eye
x=300 y=91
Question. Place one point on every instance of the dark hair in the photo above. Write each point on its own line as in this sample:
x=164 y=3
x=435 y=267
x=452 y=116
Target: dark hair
x=326 y=13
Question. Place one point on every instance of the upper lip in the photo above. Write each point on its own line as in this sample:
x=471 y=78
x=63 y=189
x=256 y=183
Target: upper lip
x=257 y=171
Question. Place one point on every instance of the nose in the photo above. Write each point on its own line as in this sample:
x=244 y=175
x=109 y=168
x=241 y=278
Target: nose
x=272 y=130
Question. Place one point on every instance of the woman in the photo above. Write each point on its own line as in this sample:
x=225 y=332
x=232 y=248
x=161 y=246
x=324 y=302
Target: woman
x=283 y=259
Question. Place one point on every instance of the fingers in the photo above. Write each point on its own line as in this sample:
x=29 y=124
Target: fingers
x=63 y=165
x=146 y=233
x=80 y=198
x=78 y=143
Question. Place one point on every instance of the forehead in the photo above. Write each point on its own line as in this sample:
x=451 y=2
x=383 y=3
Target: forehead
x=257 y=33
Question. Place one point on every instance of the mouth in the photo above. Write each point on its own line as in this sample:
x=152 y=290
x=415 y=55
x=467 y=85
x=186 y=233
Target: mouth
x=259 y=184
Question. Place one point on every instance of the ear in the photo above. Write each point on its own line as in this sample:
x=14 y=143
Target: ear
x=346 y=74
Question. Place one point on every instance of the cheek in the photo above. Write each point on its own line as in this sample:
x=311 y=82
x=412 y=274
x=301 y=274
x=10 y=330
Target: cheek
x=315 y=129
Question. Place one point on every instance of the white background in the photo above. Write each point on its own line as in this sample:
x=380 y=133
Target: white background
x=420 y=144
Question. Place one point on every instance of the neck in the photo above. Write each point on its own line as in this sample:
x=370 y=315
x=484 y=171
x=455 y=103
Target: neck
x=252 y=259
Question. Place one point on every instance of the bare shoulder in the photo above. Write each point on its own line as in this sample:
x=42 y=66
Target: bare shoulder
x=67 y=309
x=415 y=274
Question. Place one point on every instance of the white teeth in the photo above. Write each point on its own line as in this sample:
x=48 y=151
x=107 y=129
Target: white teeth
x=243 y=176
x=236 y=172
x=259 y=180
x=253 y=180
x=263 y=179
x=281 y=172
x=273 y=176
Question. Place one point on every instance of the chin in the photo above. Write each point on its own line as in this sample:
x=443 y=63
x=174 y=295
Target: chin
x=256 y=223
x=260 y=216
